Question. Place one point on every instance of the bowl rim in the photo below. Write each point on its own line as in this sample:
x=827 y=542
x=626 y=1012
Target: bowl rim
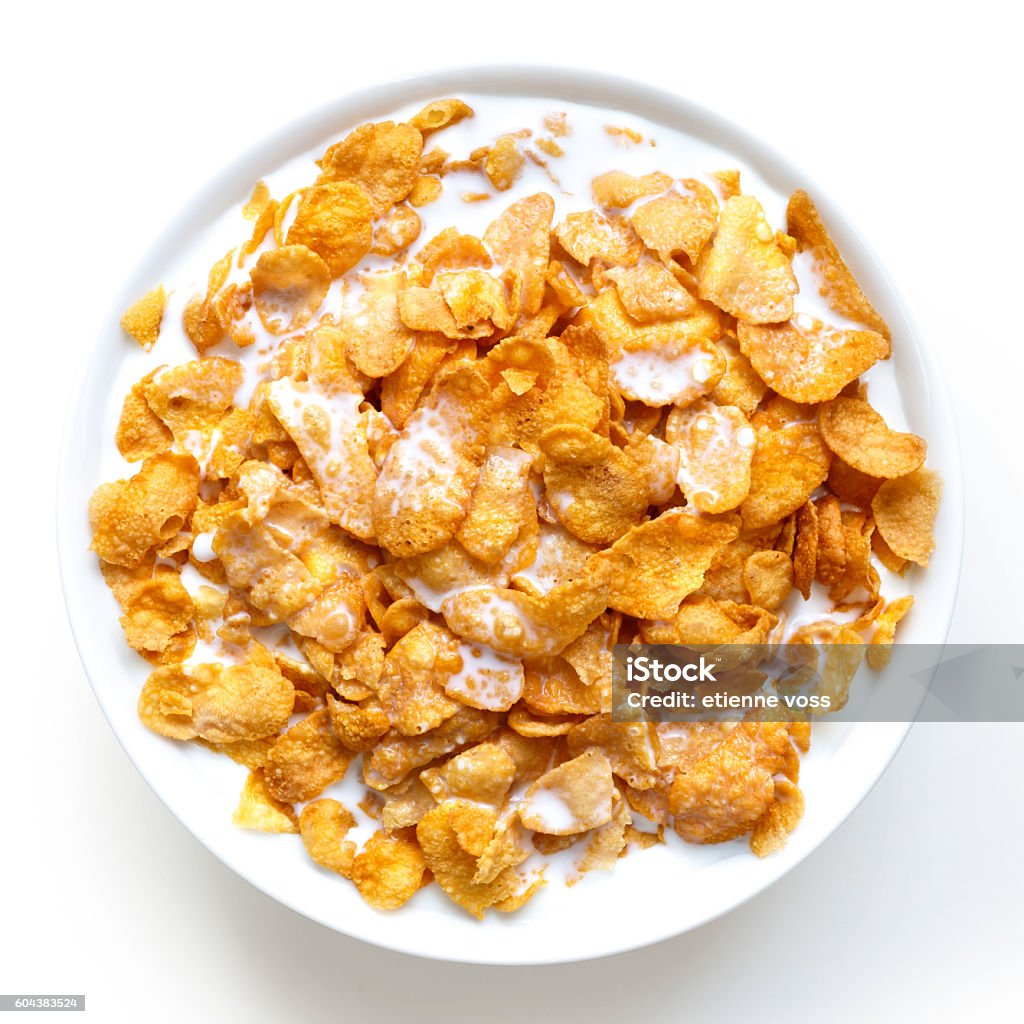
x=574 y=84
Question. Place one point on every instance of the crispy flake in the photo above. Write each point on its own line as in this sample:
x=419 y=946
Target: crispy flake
x=745 y=273
x=655 y=565
x=805 y=360
x=142 y=319
x=716 y=448
x=788 y=465
x=679 y=222
x=428 y=477
x=905 y=511
x=838 y=285
x=382 y=158
x=132 y=517
x=335 y=221
x=288 y=286
x=861 y=438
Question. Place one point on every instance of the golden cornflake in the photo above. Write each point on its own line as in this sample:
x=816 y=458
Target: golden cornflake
x=305 y=760
x=504 y=163
x=905 y=511
x=649 y=292
x=427 y=188
x=768 y=576
x=657 y=564
x=376 y=340
x=288 y=285
x=388 y=871
x=861 y=438
x=805 y=360
x=716 y=449
x=455 y=870
x=335 y=221
x=438 y=458
x=880 y=651
x=140 y=432
x=594 y=488
x=258 y=810
x=382 y=158
x=590 y=236
x=323 y=825
x=142 y=319
x=574 y=797
x=131 y=517
x=679 y=222
x=396 y=230
x=788 y=465
x=523 y=625
x=745 y=273
x=838 y=285
x=617 y=189
x=519 y=240
x=440 y=114
x=259 y=200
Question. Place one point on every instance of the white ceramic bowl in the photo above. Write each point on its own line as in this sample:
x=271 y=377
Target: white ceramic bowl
x=649 y=896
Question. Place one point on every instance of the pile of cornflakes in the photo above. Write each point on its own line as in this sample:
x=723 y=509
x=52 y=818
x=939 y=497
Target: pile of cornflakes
x=468 y=467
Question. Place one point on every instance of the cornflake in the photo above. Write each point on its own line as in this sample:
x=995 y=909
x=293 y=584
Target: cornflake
x=142 y=319
x=746 y=274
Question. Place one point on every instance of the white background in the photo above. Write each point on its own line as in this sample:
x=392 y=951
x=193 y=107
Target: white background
x=114 y=115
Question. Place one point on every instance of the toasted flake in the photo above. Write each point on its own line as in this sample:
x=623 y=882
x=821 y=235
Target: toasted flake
x=617 y=189
x=504 y=163
x=768 y=576
x=589 y=236
x=258 y=810
x=716 y=447
x=519 y=240
x=525 y=625
x=679 y=222
x=745 y=273
x=789 y=464
x=649 y=293
x=388 y=871
x=783 y=815
x=142 y=319
x=880 y=650
x=288 y=286
x=500 y=506
x=455 y=870
x=805 y=360
x=863 y=440
x=905 y=511
x=335 y=220
x=140 y=432
x=440 y=114
x=306 y=759
x=326 y=424
x=838 y=285
x=427 y=480
x=130 y=518
x=323 y=825
x=657 y=564
x=571 y=798
x=401 y=225
x=382 y=158
x=729 y=790
x=805 y=548
x=594 y=489
x=376 y=340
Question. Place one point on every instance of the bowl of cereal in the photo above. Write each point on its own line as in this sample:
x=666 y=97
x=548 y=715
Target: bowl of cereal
x=416 y=414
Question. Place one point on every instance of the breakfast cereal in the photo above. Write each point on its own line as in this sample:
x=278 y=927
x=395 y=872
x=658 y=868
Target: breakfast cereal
x=417 y=479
